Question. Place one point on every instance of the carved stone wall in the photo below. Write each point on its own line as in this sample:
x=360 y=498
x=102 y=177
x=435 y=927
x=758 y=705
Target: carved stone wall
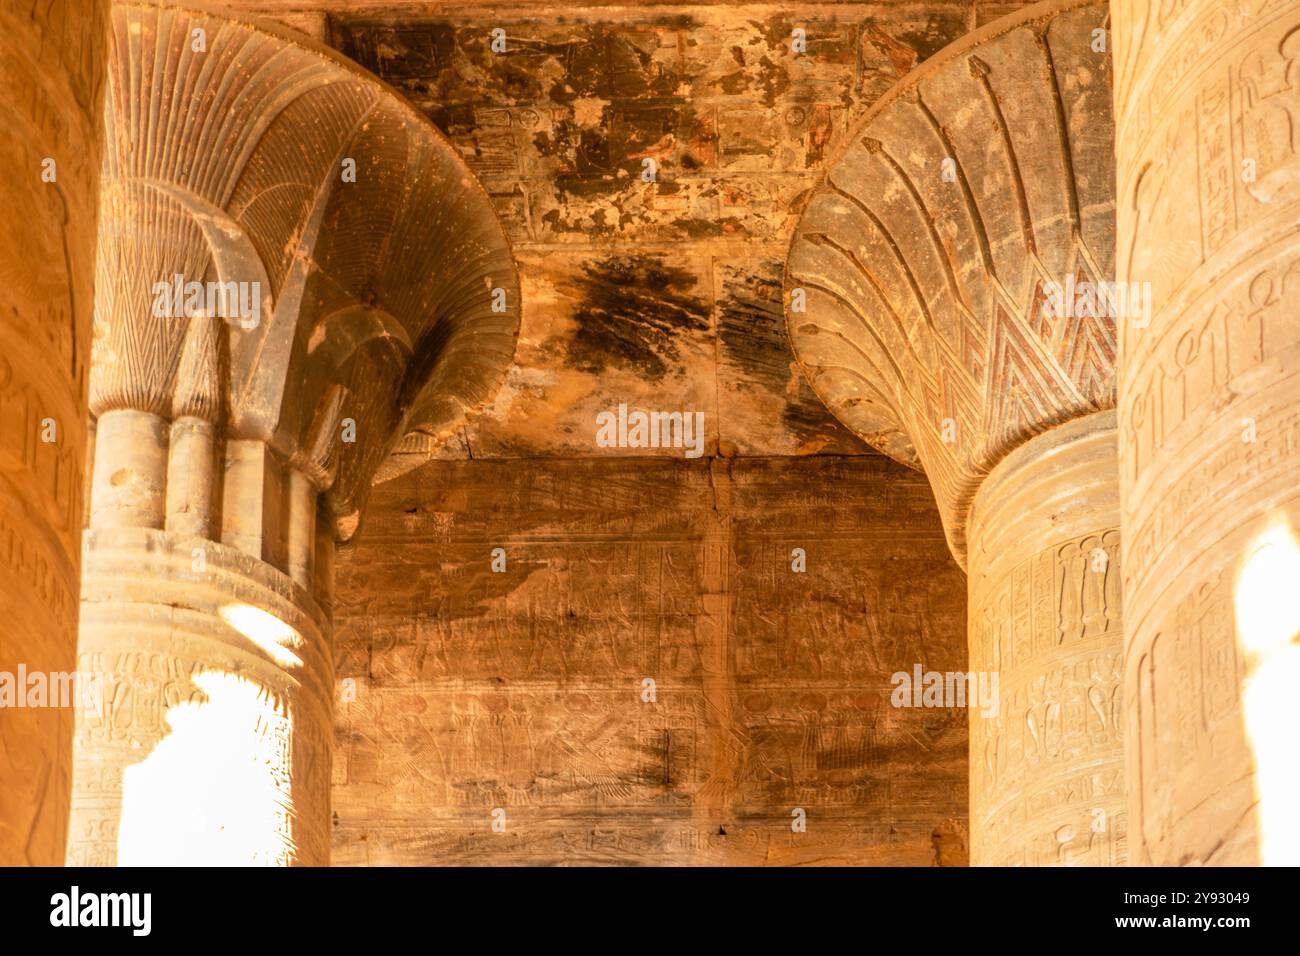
x=51 y=60
x=464 y=690
x=1208 y=104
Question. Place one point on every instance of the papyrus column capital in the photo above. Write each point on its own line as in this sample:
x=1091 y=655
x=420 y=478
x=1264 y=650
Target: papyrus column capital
x=946 y=282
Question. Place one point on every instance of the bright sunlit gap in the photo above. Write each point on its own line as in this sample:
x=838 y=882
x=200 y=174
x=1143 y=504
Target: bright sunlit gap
x=216 y=790
x=1267 y=603
x=266 y=631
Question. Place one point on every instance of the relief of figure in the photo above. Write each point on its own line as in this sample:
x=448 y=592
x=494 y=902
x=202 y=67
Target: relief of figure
x=546 y=631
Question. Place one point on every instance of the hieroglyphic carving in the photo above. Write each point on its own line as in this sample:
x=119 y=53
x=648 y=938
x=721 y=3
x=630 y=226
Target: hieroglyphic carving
x=55 y=466
x=51 y=59
x=1050 y=759
x=1209 y=418
x=1047 y=776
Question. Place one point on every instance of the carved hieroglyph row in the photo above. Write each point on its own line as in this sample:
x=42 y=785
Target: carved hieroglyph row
x=1208 y=140
x=923 y=265
x=51 y=61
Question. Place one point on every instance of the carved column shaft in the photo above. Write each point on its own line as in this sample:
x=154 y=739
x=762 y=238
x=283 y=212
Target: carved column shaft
x=1047 y=769
x=51 y=60
x=191 y=477
x=300 y=529
x=1208 y=142
x=128 y=485
x=214 y=744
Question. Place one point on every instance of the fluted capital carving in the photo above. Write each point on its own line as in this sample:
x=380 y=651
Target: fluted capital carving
x=373 y=280
x=932 y=279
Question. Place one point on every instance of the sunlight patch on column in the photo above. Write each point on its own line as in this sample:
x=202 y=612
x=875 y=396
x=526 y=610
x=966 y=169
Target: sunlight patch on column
x=267 y=631
x=216 y=790
x=1267 y=601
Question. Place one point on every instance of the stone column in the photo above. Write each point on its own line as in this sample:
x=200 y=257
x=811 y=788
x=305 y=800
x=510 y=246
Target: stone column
x=237 y=435
x=50 y=94
x=213 y=745
x=1047 y=776
x=947 y=300
x=1207 y=120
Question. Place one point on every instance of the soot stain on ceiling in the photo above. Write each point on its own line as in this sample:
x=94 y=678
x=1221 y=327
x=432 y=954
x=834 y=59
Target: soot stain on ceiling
x=632 y=313
x=752 y=334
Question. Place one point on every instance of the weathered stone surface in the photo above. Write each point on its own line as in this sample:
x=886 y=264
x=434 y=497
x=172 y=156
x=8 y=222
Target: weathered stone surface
x=51 y=59
x=662 y=294
x=465 y=690
x=1208 y=100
